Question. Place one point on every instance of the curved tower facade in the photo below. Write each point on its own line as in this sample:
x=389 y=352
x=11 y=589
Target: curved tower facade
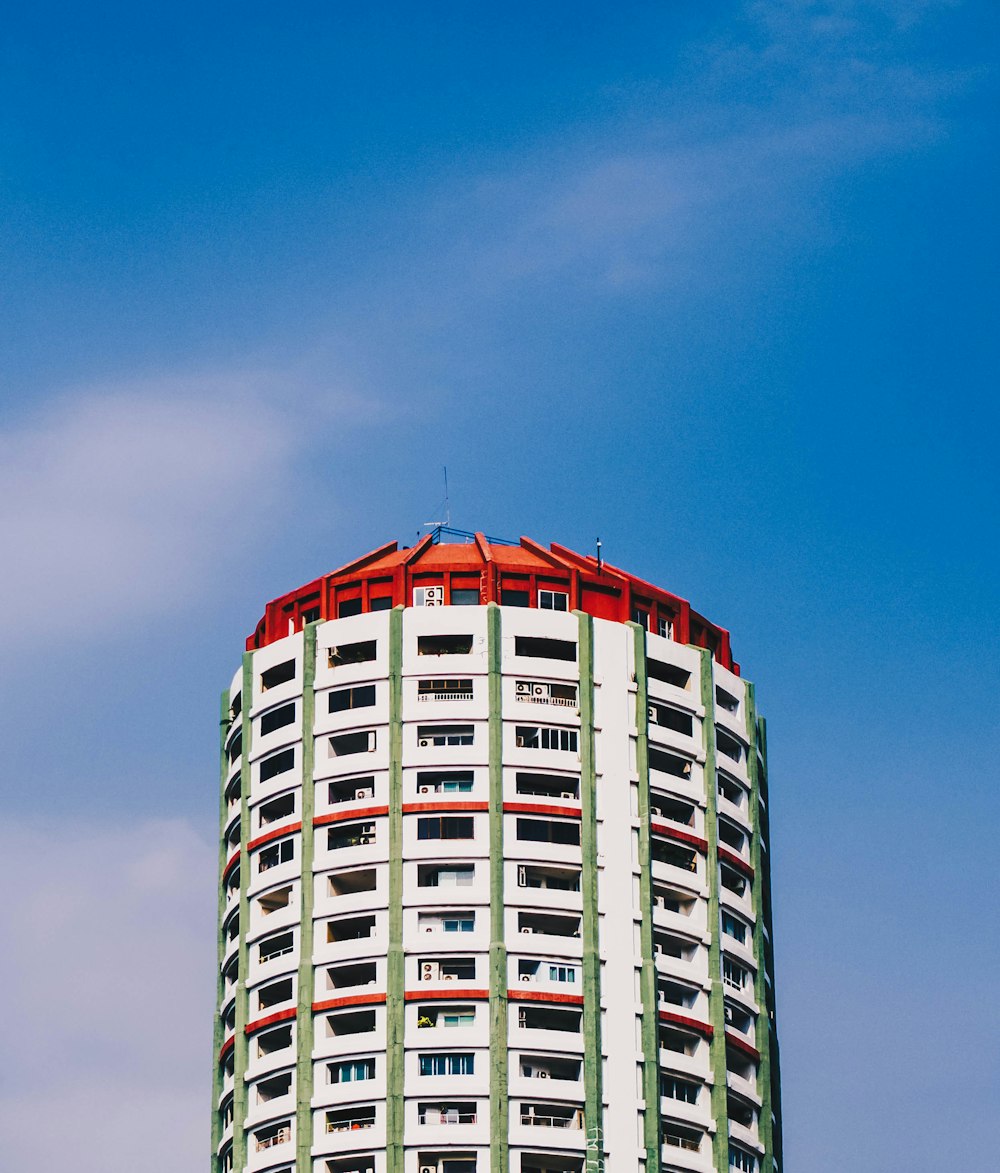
x=494 y=877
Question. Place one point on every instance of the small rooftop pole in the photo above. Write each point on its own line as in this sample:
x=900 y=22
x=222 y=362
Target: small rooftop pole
x=600 y=562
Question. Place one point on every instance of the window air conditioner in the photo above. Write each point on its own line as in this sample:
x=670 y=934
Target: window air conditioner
x=540 y=690
x=651 y=713
x=542 y=1074
x=424 y=741
x=525 y=977
x=363 y=793
x=522 y=876
x=522 y=688
x=527 y=930
x=427 y=972
x=423 y=789
x=567 y=794
x=428 y=1169
x=447 y=977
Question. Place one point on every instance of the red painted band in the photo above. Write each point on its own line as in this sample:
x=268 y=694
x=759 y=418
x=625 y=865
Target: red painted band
x=348 y=1000
x=659 y=828
x=365 y=812
x=682 y=1020
x=270 y=1020
x=537 y=996
x=227 y=1046
x=234 y=858
x=736 y=861
x=290 y=829
x=740 y=1045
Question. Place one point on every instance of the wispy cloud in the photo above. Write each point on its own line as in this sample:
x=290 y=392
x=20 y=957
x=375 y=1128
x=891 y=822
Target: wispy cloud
x=108 y=1053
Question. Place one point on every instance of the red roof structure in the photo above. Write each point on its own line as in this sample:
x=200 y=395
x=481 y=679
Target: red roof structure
x=480 y=571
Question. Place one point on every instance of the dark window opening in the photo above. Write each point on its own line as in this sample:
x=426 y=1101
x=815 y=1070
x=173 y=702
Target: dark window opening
x=342 y=977
x=514 y=598
x=464 y=596
x=548 y=1018
x=342 y=699
x=530 y=875
x=548 y=923
x=350 y=883
x=549 y=831
x=672 y=809
x=380 y=603
x=357 y=653
x=669 y=763
x=350 y=743
x=668 y=673
x=279 y=763
x=355 y=1022
x=277 y=808
x=352 y=789
x=279 y=674
x=728 y=745
x=444 y=645
x=353 y=835
x=353 y=928
x=544 y=649
x=277 y=719
x=276 y=946
x=446 y=827
x=236 y=746
x=671 y=718
x=547 y=785
x=348 y=607
x=674 y=855
x=276 y=992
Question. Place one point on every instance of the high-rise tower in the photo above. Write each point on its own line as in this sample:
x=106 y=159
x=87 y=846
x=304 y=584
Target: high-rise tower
x=494 y=877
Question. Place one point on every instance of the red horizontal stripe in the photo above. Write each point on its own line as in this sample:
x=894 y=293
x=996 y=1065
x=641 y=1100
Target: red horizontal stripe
x=270 y=1020
x=362 y=812
x=227 y=1046
x=682 y=836
x=289 y=829
x=541 y=808
x=234 y=858
x=452 y=995
x=740 y=1045
x=412 y=808
x=683 y=1020
x=538 y=996
x=736 y=861
x=348 y=1000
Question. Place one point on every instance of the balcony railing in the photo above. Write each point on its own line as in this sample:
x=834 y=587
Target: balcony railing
x=351 y=1124
x=574 y=1120
x=280 y=1137
x=445 y=696
x=448 y=1117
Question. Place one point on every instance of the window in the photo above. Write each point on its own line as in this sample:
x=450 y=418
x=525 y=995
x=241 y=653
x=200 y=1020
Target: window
x=740 y=1111
x=236 y=706
x=444 y=645
x=738 y=1018
x=672 y=809
x=547 y=737
x=665 y=627
x=380 y=603
x=341 y=977
x=437 y=876
x=446 y=922
x=464 y=1113
x=272 y=1089
x=275 y=900
x=428 y=596
x=679 y=1089
x=726 y=700
x=680 y=1137
x=741 y=1160
x=734 y=975
x=668 y=673
x=446 y=1016
x=357 y=653
x=735 y=928
x=279 y=674
x=674 y=855
x=732 y=879
x=274 y=1134
x=353 y=835
x=549 y=923
x=276 y=992
x=350 y=883
x=562 y=973
x=362 y=697
x=352 y=1071
x=464 y=596
x=277 y=853
x=352 y=789
x=728 y=745
x=675 y=994
x=669 y=763
x=444 y=689
x=448 y=969
x=445 y=735
x=310 y=615
x=547 y=785
x=731 y=835
x=271 y=1041
x=671 y=718
x=354 y=928
x=550 y=1115
x=353 y=1164
x=455 y=1063
x=350 y=743
x=549 y=831
x=548 y=1018
x=277 y=763
x=446 y=827
x=553 y=601
x=236 y=746
x=669 y=946
x=444 y=782
x=276 y=946
x=349 y=1119
x=531 y=875
x=542 y=693
x=672 y=901
x=277 y=719
x=731 y=791
x=544 y=649
x=513 y=598
x=640 y=616
x=277 y=808
x=348 y=607
x=355 y=1022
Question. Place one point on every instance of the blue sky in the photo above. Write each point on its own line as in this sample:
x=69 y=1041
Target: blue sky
x=715 y=282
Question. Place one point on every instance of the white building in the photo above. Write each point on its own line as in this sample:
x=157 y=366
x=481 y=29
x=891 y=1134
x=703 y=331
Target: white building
x=494 y=878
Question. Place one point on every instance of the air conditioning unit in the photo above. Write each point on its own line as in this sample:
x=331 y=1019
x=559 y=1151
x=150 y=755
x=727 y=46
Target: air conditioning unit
x=522 y=876
x=428 y=1169
x=429 y=929
x=447 y=977
x=520 y=742
x=540 y=690
x=428 y=971
x=424 y=741
x=527 y=930
x=651 y=713
x=522 y=688
x=542 y=1074
x=567 y=794
x=364 y=793
x=525 y=977
x=424 y=790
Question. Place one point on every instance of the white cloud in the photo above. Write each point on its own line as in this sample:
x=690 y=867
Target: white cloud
x=107 y=971
x=121 y=501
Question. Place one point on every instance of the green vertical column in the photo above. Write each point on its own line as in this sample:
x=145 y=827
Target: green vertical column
x=717 y=1006
x=499 y=1103
x=395 y=998
x=763 y=950
x=306 y=982
x=241 y=1046
x=647 y=975
x=593 y=1064
x=218 y=1034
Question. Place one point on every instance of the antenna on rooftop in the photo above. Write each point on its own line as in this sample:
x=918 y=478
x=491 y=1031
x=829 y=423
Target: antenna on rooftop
x=600 y=561
x=438 y=526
